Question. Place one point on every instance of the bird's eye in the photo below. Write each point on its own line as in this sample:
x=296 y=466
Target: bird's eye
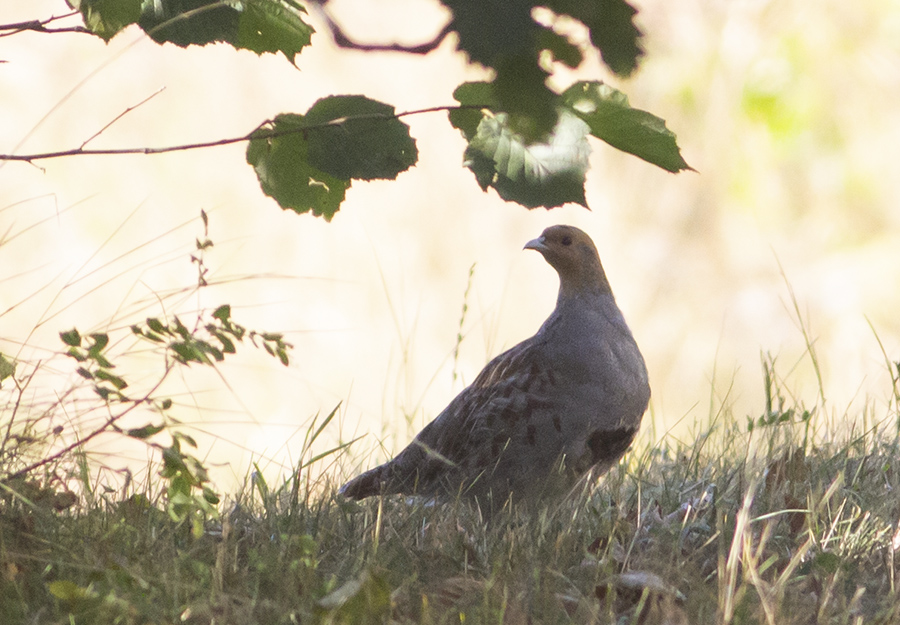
x=567 y=240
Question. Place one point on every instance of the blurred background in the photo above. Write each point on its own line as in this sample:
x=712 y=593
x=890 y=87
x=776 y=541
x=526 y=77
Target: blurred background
x=787 y=109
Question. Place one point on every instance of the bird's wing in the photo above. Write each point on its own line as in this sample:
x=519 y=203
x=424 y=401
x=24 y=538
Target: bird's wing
x=470 y=434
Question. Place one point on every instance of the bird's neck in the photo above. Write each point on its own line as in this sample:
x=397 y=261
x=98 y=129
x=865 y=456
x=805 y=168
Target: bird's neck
x=587 y=285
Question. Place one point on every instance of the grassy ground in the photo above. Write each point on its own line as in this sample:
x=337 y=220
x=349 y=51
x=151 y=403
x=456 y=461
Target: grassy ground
x=733 y=526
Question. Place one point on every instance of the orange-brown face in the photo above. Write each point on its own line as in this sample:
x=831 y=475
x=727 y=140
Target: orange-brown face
x=574 y=256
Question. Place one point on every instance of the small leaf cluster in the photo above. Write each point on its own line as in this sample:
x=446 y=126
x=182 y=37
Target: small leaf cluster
x=95 y=367
x=189 y=496
x=186 y=347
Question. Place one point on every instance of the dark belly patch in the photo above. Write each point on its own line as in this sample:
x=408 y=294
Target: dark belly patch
x=609 y=445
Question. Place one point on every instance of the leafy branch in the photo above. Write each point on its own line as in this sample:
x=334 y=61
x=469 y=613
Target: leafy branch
x=262 y=131
x=524 y=140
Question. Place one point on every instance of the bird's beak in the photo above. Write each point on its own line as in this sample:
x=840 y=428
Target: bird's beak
x=539 y=244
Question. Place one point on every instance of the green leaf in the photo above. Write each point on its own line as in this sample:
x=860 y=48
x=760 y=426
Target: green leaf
x=610 y=118
x=187 y=352
x=257 y=25
x=612 y=30
x=103 y=374
x=222 y=313
x=66 y=590
x=355 y=137
x=472 y=94
x=521 y=91
x=548 y=175
x=826 y=562
x=491 y=31
x=186 y=438
x=268 y=26
x=71 y=338
x=156 y=325
x=75 y=353
x=502 y=35
x=285 y=174
x=7 y=367
x=105 y=18
x=99 y=344
x=145 y=432
x=210 y=496
x=227 y=343
x=560 y=47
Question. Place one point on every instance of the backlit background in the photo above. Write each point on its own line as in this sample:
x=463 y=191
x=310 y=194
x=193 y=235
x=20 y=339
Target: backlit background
x=787 y=109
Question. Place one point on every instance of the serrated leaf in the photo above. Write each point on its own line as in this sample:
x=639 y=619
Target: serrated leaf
x=504 y=36
x=490 y=31
x=548 y=175
x=87 y=375
x=560 y=47
x=257 y=25
x=612 y=30
x=105 y=18
x=145 y=432
x=269 y=26
x=610 y=118
x=472 y=94
x=71 y=338
x=356 y=137
x=521 y=91
x=285 y=174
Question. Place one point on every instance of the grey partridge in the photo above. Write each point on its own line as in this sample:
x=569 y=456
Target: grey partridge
x=541 y=415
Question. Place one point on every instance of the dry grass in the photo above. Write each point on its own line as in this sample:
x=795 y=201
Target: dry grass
x=764 y=526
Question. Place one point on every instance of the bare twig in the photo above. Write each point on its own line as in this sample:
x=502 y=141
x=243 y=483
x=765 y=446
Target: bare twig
x=40 y=26
x=121 y=115
x=343 y=41
x=260 y=132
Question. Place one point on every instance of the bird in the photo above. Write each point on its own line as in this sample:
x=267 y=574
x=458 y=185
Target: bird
x=558 y=406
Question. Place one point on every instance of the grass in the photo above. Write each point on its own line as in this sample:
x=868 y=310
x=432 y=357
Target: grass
x=733 y=526
x=783 y=517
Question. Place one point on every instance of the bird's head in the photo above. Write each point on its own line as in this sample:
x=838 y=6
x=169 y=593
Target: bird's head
x=574 y=256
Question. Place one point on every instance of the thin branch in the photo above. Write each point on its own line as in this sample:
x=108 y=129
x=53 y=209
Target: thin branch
x=121 y=115
x=260 y=132
x=106 y=427
x=40 y=26
x=343 y=41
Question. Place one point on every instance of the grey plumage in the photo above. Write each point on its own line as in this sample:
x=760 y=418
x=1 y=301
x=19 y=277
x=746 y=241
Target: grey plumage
x=539 y=416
